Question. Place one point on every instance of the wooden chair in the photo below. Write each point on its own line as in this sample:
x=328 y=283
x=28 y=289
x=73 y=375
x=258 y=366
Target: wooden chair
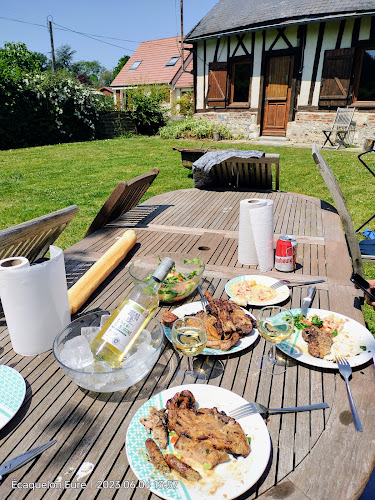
x=123 y=198
x=340 y=128
x=32 y=239
x=342 y=208
x=241 y=173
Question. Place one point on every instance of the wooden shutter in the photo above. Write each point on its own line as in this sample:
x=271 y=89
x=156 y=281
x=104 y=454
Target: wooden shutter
x=336 y=77
x=217 y=84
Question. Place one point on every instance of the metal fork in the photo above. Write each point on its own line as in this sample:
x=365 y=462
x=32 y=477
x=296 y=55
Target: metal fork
x=251 y=408
x=345 y=371
x=280 y=283
x=204 y=301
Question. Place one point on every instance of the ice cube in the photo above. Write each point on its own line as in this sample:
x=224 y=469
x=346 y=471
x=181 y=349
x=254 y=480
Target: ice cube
x=103 y=320
x=90 y=332
x=142 y=352
x=76 y=353
x=102 y=367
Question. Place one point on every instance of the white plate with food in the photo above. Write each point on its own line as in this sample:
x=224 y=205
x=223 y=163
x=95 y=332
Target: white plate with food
x=228 y=479
x=255 y=290
x=338 y=335
x=240 y=345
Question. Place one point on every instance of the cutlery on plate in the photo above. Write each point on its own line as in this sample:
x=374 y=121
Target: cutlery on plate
x=204 y=301
x=280 y=283
x=307 y=301
x=345 y=371
x=16 y=462
x=251 y=408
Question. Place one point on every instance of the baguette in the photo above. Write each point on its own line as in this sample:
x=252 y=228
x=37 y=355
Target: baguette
x=98 y=272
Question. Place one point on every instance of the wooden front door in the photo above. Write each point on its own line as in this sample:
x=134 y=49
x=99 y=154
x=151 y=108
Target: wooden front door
x=277 y=92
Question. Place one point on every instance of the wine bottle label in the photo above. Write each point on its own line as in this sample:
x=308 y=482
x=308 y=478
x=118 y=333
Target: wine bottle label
x=129 y=320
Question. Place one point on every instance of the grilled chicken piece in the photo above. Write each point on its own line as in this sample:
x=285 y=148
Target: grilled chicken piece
x=156 y=457
x=210 y=323
x=319 y=342
x=184 y=400
x=208 y=423
x=201 y=451
x=224 y=345
x=157 y=423
x=182 y=468
x=168 y=318
x=243 y=322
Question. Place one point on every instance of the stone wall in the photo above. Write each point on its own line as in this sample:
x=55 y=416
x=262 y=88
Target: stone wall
x=242 y=123
x=307 y=127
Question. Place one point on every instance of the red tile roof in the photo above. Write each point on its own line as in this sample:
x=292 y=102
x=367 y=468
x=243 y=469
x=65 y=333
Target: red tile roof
x=154 y=56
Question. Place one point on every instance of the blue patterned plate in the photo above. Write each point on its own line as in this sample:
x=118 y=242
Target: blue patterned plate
x=227 y=480
x=12 y=393
x=194 y=307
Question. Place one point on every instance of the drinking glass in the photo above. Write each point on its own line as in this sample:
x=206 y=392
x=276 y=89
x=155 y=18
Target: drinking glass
x=189 y=338
x=275 y=324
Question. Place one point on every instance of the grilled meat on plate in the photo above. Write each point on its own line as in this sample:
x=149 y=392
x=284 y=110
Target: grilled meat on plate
x=157 y=423
x=200 y=451
x=156 y=457
x=319 y=341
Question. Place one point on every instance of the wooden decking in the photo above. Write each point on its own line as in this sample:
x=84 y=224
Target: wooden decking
x=315 y=455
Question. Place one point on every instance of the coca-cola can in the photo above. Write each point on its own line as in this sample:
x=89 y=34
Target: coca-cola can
x=285 y=258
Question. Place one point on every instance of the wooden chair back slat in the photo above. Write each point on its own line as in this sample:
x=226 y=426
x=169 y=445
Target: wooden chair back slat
x=32 y=239
x=244 y=173
x=123 y=198
x=342 y=208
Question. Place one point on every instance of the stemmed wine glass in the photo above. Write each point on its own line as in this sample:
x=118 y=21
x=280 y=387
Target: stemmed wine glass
x=275 y=324
x=189 y=338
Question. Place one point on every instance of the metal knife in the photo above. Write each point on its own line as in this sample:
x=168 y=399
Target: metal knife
x=307 y=301
x=16 y=462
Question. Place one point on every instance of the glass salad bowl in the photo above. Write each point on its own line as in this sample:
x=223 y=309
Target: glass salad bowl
x=180 y=282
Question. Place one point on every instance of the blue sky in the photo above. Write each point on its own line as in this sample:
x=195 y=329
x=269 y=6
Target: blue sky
x=132 y=21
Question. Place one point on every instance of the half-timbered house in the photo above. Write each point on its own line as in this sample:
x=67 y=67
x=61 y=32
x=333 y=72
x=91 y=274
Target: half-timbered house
x=282 y=67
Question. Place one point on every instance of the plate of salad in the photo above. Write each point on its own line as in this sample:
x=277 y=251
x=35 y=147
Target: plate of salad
x=346 y=338
x=182 y=280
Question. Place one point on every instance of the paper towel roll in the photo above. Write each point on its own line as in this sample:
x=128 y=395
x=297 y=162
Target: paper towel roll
x=255 y=233
x=14 y=263
x=35 y=301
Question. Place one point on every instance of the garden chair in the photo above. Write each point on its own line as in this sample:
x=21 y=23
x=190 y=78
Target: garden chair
x=342 y=209
x=340 y=128
x=241 y=173
x=123 y=198
x=32 y=239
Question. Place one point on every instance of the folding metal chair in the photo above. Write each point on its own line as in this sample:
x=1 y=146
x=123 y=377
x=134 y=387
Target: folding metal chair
x=340 y=128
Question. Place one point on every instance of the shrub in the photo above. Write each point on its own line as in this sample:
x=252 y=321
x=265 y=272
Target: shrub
x=47 y=108
x=145 y=104
x=190 y=128
x=184 y=105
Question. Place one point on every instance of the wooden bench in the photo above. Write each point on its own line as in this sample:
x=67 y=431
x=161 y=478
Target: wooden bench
x=123 y=198
x=340 y=128
x=241 y=173
x=32 y=239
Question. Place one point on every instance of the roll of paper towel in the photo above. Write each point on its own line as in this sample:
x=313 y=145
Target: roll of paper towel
x=255 y=234
x=35 y=301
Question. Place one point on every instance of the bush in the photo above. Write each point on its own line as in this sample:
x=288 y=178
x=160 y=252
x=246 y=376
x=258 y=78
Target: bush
x=145 y=104
x=197 y=129
x=47 y=108
x=184 y=105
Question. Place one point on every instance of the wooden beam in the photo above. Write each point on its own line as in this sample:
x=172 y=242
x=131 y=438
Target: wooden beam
x=316 y=61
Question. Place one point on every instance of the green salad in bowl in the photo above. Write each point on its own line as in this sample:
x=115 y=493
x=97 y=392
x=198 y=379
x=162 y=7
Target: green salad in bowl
x=182 y=280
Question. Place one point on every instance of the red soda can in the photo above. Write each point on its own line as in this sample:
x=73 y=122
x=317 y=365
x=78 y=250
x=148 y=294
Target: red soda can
x=285 y=258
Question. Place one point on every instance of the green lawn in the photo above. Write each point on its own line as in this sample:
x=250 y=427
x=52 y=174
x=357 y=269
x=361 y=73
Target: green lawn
x=35 y=181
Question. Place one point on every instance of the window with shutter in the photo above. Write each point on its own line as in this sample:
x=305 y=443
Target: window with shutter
x=336 y=77
x=217 y=85
x=364 y=86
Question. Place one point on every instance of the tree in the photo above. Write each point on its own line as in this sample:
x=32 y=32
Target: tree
x=105 y=78
x=64 y=57
x=121 y=63
x=17 y=60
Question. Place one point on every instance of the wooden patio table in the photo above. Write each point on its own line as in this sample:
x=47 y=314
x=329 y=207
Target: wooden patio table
x=315 y=455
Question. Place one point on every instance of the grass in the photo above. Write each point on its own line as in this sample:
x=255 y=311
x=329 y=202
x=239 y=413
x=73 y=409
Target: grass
x=36 y=181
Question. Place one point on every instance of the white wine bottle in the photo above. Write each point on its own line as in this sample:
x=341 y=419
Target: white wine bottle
x=127 y=321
